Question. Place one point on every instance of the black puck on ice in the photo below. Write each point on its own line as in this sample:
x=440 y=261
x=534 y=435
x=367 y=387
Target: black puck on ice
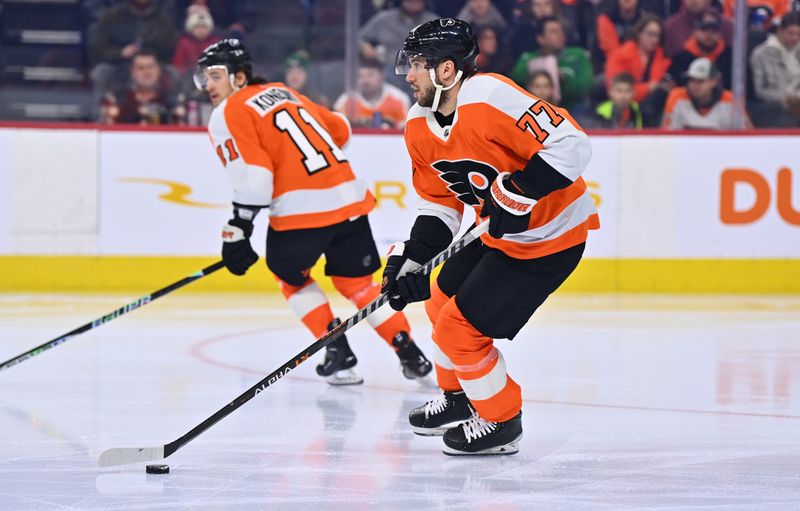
x=157 y=469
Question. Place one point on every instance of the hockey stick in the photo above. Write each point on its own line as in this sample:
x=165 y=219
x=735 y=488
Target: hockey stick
x=126 y=455
x=113 y=315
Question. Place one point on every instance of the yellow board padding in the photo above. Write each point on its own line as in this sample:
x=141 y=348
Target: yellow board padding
x=142 y=275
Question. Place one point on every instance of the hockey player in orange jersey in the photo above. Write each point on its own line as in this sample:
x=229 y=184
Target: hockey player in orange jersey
x=283 y=153
x=479 y=140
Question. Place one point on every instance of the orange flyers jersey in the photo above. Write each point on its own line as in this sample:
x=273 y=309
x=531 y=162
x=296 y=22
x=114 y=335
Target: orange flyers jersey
x=392 y=105
x=283 y=151
x=498 y=127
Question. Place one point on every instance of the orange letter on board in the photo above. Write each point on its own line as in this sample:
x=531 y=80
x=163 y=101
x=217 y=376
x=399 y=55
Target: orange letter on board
x=727 y=204
x=785 y=209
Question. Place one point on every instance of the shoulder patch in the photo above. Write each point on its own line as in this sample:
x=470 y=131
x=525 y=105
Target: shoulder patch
x=268 y=99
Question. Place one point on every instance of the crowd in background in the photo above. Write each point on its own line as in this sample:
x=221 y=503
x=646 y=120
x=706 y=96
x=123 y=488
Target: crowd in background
x=615 y=64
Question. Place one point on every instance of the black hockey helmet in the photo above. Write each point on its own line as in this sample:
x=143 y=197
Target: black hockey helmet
x=229 y=54
x=440 y=40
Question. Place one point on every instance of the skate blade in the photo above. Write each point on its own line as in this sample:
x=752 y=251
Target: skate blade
x=344 y=377
x=502 y=450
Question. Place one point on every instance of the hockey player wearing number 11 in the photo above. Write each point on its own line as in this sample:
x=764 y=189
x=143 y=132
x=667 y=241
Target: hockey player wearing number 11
x=283 y=153
x=481 y=141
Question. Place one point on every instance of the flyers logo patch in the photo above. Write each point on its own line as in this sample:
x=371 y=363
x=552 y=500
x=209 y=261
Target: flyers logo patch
x=447 y=22
x=469 y=180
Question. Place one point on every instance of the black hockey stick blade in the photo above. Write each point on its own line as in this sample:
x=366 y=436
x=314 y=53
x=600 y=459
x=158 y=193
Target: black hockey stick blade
x=102 y=320
x=126 y=455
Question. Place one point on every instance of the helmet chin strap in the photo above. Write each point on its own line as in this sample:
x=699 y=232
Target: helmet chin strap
x=439 y=88
x=232 y=79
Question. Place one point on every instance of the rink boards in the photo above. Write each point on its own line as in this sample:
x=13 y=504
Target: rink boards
x=128 y=209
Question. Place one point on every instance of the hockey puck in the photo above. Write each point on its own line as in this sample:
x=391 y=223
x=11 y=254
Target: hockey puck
x=157 y=469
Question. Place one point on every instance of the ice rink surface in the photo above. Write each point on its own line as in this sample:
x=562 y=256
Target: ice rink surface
x=631 y=402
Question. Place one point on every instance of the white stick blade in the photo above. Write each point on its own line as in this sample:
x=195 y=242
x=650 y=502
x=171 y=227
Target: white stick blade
x=127 y=455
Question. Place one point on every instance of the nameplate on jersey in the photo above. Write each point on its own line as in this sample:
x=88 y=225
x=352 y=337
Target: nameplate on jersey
x=267 y=100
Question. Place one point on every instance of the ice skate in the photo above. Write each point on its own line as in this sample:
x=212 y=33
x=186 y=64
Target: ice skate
x=413 y=362
x=339 y=363
x=479 y=437
x=437 y=416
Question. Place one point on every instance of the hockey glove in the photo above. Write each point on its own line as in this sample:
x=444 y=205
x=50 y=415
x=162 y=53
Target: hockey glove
x=509 y=211
x=237 y=253
x=403 y=286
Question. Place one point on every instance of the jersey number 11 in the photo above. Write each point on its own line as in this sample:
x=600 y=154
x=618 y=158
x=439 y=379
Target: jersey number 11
x=313 y=159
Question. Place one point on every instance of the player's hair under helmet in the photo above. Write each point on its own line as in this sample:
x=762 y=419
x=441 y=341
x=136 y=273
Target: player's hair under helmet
x=228 y=54
x=437 y=41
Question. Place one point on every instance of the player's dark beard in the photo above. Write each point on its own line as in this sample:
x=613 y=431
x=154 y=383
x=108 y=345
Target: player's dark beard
x=426 y=95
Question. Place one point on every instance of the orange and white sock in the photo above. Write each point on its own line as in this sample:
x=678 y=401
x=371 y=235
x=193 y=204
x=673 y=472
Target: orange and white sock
x=310 y=304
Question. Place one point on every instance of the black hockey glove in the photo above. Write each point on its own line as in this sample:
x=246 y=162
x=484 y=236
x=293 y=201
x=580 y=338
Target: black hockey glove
x=509 y=211
x=403 y=286
x=237 y=253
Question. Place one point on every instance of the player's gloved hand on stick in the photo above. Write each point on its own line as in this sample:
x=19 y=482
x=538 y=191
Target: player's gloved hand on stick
x=508 y=209
x=237 y=253
x=403 y=286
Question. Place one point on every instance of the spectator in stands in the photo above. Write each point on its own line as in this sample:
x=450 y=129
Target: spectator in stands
x=121 y=32
x=644 y=59
x=615 y=25
x=384 y=33
x=482 y=13
x=231 y=17
x=199 y=35
x=375 y=104
x=147 y=100
x=776 y=75
x=494 y=56
x=705 y=42
x=542 y=85
x=296 y=77
x=620 y=111
x=703 y=103
x=680 y=27
x=770 y=11
x=523 y=31
x=574 y=68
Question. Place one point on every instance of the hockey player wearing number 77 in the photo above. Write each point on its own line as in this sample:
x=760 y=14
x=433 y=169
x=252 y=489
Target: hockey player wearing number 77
x=283 y=153
x=479 y=140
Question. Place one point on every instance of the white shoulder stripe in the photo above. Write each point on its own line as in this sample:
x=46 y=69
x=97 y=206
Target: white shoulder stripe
x=566 y=149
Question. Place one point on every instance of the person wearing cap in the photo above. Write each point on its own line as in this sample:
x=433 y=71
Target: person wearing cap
x=198 y=35
x=680 y=26
x=703 y=103
x=375 y=104
x=296 y=77
x=574 y=67
x=775 y=65
x=706 y=41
